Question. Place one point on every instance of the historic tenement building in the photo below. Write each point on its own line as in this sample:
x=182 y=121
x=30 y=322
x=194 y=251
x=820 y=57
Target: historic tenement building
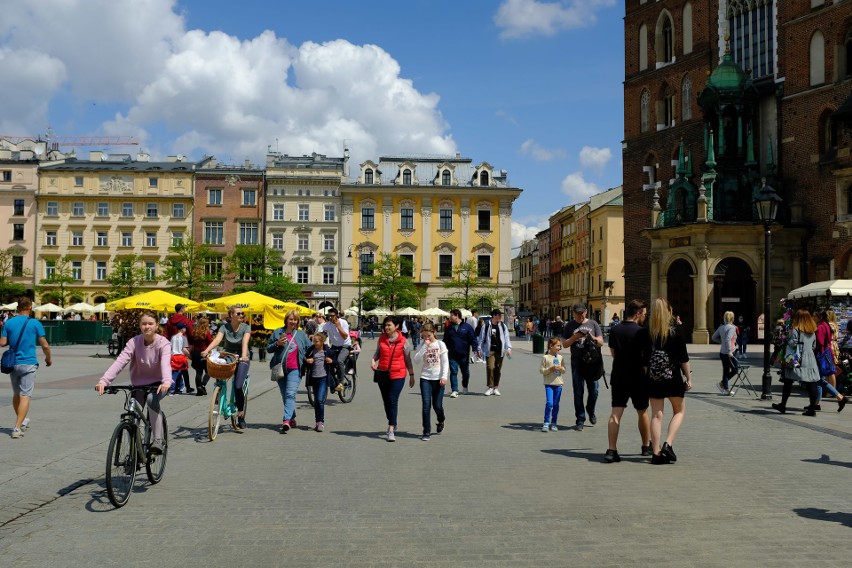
x=722 y=97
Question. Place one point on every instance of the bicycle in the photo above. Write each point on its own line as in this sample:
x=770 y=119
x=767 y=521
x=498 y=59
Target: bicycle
x=349 y=380
x=130 y=448
x=223 y=406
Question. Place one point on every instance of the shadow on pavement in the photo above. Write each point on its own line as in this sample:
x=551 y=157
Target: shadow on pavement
x=587 y=454
x=531 y=426
x=824 y=515
x=824 y=458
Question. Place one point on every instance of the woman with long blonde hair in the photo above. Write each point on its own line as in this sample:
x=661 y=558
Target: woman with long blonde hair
x=668 y=341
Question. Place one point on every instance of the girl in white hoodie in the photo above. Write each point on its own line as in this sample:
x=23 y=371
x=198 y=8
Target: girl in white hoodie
x=433 y=378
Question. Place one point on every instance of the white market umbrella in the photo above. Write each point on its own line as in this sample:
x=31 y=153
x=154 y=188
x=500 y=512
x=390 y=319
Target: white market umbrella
x=377 y=312
x=12 y=306
x=80 y=307
x=466 y=313
x=822 y=289
x=99 y=308
x=48 y=307
x=408 y=312
x=432 y=312
x=353 y=311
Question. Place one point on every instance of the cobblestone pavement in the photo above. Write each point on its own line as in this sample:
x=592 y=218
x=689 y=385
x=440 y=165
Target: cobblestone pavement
x=751 y=487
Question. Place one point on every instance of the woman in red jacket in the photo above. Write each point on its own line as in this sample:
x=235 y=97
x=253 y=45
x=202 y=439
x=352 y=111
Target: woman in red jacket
x=391 y=363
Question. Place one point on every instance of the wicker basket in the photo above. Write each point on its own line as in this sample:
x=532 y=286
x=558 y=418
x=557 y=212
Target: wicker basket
x=219 y=371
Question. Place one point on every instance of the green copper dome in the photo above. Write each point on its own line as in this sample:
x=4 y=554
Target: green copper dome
x=728 y=76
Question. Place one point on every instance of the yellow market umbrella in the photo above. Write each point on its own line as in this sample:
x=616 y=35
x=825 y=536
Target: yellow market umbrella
x=253 y=303
x=156 y=300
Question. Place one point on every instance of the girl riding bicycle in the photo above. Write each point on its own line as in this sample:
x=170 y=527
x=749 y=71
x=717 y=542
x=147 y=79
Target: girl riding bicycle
x=149 y=356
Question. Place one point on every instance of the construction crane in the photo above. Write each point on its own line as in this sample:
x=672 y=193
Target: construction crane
x=53 y=142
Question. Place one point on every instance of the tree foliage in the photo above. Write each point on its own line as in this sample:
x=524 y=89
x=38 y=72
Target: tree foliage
x=469 y=290
x=185 y=268
x=56 y=287
x=10 y=290
x=259 y=268
x=127 y=277
x=387 y=286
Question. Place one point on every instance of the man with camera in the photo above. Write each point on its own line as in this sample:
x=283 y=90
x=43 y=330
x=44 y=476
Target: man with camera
x=575 y=334
x=337 y=330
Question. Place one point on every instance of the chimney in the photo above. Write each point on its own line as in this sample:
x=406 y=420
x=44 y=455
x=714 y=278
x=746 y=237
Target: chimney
x=143 y=157
x=96 y=156
x=173 y=159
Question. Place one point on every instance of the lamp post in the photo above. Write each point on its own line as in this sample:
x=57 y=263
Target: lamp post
x=360 y=271
x=767 y=204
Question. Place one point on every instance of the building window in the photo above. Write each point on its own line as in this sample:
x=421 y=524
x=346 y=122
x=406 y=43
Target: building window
x=214 y=196
x=328 y=243
x=645 y=111
x=406 y=177
x=103 y=209
x=406 y=218
x=368 y=218
x=483 y=220
x=445 y=266
x=52 y=209
x=302 y=243
x=127 y=209
x=665 y=39
x=301 y=275
x=100 y=270
x=366 y=264
x=77 y=270
x=406 y=265
x=214 y=233
x=330 y=213
x=665 y=108
x=445 y=219
x=248 y=233
x=178 y=211
x=278 y=212
x=177 y=238
x=101 y=239
x=18 y=232
x=328 y=275
x=686 y=98
x=445 y=177
x=687 y=28
x=368 y=176
x=153 y=182
x=126 y=239
x=152 y=211
x=18 y=207
x=304 y=212
x=278 y=241
x=150 y=239
x=78 y=181
x=17 y=266
x=213 y=268
x=50 y=238
x=249 y=197
x=77 y=238
x=827 y=129
x=78 y=209
x=751 y=26
x=643 y=47
x=483 y=265
x=483 y=179
x=150 y=270
x=817 y=58
x=49 y=268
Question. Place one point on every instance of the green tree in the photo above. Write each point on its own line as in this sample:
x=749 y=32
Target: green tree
x=387 y=286
x=468 y=289
x=127 y=277
x=185 y=268
x=56 y=286
x=259 y=268
x=10 y=290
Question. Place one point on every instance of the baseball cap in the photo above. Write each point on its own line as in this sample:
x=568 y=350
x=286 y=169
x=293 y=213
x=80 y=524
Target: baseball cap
x=579 y=307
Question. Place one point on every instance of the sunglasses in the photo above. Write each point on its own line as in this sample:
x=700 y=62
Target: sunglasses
x=241 y=314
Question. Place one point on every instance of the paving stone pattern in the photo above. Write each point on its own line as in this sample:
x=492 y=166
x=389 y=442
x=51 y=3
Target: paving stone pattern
x=750 y=488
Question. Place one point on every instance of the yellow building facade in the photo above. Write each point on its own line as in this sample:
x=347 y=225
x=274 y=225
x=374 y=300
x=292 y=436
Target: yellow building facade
x=435 y=212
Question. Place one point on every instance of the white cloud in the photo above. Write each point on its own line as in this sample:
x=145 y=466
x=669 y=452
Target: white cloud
x=531 y=148
x=522 y=232
x=28 y=77
x=595 y=158
x=578 y=189
x=525 y=18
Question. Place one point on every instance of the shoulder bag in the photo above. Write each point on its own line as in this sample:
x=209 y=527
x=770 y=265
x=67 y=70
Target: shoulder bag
x=279 y=371
x=9 y=358
x=384 y=375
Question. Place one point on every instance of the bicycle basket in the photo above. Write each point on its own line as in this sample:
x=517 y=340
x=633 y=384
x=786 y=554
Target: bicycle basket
x=222 y=371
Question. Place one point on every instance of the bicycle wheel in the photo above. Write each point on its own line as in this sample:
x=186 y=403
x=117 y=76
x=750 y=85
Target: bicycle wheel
x=234 y=417
x=215 y=417
x=348 y=392
x=156 y=465
x=121 y=464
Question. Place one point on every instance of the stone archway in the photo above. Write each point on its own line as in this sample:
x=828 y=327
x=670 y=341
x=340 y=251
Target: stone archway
x=680 y=283
x=734 y=290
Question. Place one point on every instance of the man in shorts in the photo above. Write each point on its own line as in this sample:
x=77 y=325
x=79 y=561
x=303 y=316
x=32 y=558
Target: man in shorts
x=629 y=343
x=22 y=332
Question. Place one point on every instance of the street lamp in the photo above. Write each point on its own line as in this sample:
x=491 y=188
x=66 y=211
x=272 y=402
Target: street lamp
x=360 y=272
x=767 y=204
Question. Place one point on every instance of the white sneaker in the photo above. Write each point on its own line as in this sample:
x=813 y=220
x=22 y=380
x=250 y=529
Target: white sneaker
x=391 y=437
x=17 y=433
x=545 y=427
x=454 y=394
x=26 y=423
x=554 y=428
x=496 y=392
x=489 y=392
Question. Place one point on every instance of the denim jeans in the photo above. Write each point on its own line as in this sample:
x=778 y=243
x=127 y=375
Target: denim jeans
x=728 y=370
x=822 y=384
x=462 y=363
x=288 y=387
x=320 y=390
x=391 y=389
x=578 y=384
x=551 y=407
x=432 y=393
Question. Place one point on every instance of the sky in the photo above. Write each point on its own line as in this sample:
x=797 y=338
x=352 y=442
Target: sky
x=533 y=87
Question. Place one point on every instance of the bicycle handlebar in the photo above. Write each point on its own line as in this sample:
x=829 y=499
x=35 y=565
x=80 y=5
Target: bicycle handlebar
x=113 y=389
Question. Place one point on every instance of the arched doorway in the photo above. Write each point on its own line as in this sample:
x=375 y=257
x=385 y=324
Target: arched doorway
x=734 y=290
x=325 y=304
x=680 y=290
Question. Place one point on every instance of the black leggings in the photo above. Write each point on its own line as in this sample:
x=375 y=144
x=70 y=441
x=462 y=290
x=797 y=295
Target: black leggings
x=788 y=389
x=239 y=380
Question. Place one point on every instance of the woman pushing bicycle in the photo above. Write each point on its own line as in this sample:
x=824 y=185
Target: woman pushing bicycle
x=149 y=355
x=234 y=336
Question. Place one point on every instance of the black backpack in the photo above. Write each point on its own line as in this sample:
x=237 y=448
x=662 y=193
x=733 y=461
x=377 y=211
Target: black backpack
x=660 y=367
x=591 y=360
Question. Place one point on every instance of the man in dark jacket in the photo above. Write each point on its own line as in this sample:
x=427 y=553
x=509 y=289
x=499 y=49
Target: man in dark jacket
x=460 y=339
x=176 y=318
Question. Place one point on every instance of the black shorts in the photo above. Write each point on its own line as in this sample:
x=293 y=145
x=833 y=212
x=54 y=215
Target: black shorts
x=633 y=390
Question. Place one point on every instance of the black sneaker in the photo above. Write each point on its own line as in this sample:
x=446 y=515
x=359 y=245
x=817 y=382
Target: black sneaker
x=841 y=403
x=661 y=459
x=647 y=450
x=241 y=423
x=440 y=427
x=592 y=418
x=579 y=427
x=612 y=456
x=780 y=408
x=668 y=452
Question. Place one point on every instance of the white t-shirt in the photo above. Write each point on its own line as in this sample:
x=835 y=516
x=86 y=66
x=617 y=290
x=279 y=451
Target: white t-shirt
x=179 y=341
x=436 y=362
x=334 y=338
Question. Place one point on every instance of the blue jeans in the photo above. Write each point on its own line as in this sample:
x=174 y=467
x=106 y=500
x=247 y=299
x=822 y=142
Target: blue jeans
x=320 y=389
x=823 y=384
x=579 y=383
x=462 y=363
x=391 y=389
x=551 y=407
x=288 y=387
x=432 y=393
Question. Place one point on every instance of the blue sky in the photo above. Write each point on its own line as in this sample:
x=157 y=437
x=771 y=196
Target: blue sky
x=532 y=87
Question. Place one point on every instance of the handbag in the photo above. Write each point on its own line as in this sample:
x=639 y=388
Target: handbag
x=384 y=375
x=279 y=371
x=825 y=363
x=9 y=359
